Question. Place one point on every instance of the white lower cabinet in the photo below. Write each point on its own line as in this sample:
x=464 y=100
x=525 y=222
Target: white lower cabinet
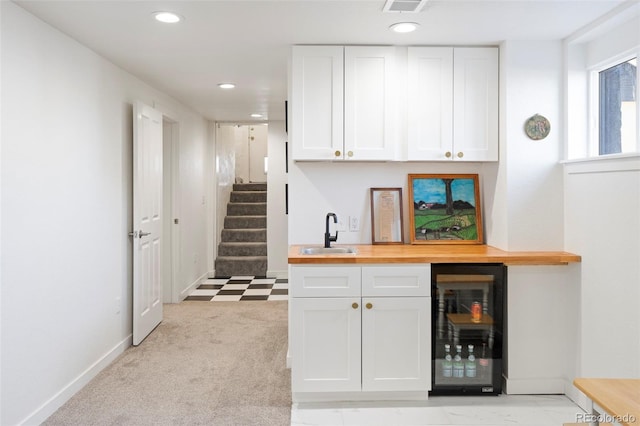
x=396 y=352
x=326 y=345
x=377 y=340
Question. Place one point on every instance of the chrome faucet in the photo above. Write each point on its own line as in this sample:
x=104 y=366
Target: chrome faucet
x=327 y=236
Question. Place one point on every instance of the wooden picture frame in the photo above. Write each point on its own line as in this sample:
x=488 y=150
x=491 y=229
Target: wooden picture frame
x=386 y=216
x=445 y=209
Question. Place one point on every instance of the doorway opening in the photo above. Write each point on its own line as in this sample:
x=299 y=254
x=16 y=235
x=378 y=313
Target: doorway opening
x=241 y=216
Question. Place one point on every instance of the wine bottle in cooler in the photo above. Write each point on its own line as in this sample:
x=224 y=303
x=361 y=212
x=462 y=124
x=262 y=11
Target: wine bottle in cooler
x=447 y=363
x=483 y=363
x=470 y=365
x=458 y=365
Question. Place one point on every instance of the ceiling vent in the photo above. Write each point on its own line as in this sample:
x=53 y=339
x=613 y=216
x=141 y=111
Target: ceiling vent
x=404 y=5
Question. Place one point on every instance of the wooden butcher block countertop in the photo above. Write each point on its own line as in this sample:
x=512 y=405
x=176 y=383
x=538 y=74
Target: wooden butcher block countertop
x=437 y=253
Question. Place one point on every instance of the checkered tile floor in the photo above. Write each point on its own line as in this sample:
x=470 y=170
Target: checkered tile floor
x=240 y=288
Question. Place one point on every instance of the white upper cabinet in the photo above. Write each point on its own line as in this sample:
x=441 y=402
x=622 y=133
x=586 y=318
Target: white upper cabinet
x=343 y=103
x=453 y=104
x=369 y=109
x=430 y=102
x=475 y=104
x=317 y=102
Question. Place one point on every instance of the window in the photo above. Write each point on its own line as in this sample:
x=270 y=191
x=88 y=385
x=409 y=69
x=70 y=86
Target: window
x=617 y=108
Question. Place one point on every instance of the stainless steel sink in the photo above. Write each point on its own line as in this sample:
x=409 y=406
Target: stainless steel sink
x=328 y=250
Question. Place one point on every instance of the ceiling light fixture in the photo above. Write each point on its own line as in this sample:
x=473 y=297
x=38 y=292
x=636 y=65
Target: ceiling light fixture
x=256 y=115
x=167 y=17
x=226 y=85
x=404 y=27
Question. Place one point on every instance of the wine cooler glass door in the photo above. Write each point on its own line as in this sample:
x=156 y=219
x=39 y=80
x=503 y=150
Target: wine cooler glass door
x=467 y=329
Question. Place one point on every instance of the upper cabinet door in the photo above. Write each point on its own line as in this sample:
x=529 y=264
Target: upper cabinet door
x=370 y=103
x=475 y=104
x=430 y=103
x=317 y=102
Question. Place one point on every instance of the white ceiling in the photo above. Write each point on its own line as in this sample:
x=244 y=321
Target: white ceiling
x=247 y=42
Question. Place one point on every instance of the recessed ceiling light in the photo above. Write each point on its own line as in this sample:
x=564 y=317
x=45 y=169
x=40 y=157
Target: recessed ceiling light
x=256 y=115
x=404 y=27
x=226 y=85
x=167 y=17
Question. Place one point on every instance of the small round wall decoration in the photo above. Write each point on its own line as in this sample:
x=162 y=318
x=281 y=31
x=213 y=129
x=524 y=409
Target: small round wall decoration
x=537 y=127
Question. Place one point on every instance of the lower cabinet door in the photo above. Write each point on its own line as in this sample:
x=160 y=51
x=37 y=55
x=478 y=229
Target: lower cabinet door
x=396 y=348
x=326 y=350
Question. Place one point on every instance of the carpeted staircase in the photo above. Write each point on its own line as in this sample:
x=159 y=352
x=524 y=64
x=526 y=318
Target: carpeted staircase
x=243 y=245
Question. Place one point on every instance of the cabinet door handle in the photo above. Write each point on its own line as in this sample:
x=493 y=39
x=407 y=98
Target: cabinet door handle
x=460 y=154
x=350 y=153
x=369 y=305
x=354 y=306
x=338 y=153
x=447 y=154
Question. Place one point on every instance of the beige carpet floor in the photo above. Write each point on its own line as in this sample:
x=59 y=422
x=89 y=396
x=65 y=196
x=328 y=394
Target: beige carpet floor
x=207 y=363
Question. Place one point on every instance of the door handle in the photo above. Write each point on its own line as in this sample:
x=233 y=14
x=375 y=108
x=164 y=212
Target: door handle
x=138 y=234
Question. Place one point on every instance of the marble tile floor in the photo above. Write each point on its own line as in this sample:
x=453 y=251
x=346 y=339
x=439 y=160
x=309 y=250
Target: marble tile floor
x=240 y=288
x=521 y=410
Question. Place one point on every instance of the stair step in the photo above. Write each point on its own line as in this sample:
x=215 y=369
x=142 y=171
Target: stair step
x=227 y=266
x=243 y=222
x=242 y=249
x=250 y=186
x=248 y=196
x=246 y=209
x=244 y=235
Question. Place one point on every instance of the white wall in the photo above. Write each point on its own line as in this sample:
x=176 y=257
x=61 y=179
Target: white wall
x=540 y=298
x=225 y=159
x=316 y=188
x=66 y=211
x=602 y=215
x=277 y=233
x=603 y=225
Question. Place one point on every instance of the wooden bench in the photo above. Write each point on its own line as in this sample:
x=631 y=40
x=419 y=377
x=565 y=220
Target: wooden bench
x=615 y=398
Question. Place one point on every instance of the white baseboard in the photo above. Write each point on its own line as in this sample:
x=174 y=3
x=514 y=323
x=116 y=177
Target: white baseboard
x=270 y=274
x=184 y=293
x=578 y=397
x=351 y=399
x=534 y=386
x=278 y=274
x=65 y=394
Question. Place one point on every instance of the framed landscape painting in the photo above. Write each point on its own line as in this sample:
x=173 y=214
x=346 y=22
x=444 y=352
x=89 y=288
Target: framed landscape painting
x=445 y=209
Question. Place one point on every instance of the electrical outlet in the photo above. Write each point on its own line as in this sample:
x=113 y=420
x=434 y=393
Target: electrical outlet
x=354 y=223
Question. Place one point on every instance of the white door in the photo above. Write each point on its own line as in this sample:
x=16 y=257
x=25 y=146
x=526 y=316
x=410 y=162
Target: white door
x=147 y=220
x=257 y=152
x=396 y=351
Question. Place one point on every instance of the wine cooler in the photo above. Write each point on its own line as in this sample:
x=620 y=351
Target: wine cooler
x=467 y=328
